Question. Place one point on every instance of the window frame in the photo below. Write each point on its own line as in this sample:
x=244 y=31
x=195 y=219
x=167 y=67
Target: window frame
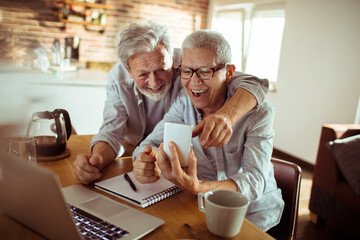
x=249 y=10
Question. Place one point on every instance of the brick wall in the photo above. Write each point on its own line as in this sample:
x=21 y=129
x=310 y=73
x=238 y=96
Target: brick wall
x=33 y=22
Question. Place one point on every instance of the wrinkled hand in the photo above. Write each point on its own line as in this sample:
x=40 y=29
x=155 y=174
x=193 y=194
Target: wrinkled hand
x=214 y=130
x=87 y=168
x=185 y=178
x=145 y=167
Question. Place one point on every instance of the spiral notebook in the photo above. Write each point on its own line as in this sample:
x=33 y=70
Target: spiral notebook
x=144 y=196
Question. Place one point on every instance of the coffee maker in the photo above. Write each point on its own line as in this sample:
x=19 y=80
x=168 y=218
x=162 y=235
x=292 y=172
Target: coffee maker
x=72 y=45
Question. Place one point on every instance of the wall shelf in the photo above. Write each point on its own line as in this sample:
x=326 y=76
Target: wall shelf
x=86 y=4
x=84 y=23
x=84 y=13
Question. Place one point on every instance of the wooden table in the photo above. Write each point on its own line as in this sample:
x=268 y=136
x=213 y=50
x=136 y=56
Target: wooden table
x=175 y=211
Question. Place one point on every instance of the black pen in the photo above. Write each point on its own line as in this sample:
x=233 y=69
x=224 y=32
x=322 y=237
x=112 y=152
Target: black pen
x=192 y=231
x=132 y=185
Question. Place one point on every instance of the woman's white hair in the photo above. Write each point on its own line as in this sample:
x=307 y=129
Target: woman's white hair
x=211 y=40
x=142 y=37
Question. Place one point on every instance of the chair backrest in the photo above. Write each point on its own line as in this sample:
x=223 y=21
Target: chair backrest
x=288 y=179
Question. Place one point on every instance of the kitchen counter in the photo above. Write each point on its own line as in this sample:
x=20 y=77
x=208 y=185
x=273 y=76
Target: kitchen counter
x=80 y=77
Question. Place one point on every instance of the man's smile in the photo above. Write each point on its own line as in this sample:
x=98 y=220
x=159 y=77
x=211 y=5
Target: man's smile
x=156 y=89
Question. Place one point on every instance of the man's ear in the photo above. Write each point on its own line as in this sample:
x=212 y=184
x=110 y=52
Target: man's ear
x=230 y=70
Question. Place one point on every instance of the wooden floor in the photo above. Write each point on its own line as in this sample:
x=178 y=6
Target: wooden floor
x=306 y=229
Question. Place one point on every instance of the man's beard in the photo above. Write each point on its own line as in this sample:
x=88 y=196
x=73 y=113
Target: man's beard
x=156 y=96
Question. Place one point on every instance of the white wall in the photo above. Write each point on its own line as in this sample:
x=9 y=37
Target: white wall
x=319 y=73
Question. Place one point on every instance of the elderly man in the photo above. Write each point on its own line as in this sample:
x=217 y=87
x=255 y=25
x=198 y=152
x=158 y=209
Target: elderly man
x=140 y=91
x=243 y=164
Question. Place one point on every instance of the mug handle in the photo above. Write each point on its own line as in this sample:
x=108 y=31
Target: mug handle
x=201 y=196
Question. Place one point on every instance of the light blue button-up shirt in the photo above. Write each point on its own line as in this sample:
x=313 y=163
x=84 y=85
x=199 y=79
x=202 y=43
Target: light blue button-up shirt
x=245 y=158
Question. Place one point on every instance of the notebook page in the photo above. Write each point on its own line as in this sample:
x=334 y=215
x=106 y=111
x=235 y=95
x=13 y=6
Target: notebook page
x=120 y=186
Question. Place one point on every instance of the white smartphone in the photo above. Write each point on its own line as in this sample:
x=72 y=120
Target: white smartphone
x=180 y=133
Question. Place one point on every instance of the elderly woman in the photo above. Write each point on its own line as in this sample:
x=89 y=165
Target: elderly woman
x=243 y=164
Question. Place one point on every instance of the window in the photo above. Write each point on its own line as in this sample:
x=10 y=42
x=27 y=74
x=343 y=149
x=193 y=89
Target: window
x=265 y=44
x=254 y=32
x=226 y=22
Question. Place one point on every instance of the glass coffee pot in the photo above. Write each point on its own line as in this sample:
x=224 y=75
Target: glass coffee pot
x=51 y=131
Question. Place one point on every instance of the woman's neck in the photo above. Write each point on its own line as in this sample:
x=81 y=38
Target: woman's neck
x=211 y=110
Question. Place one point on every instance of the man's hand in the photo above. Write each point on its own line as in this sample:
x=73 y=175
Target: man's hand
x=214 y=130
x=145 y=167
x=185 y=178
x=87 y=168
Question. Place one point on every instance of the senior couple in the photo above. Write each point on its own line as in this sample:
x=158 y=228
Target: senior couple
x=232 y=137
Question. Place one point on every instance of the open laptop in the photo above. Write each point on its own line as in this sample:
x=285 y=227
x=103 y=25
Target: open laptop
x=32 y=195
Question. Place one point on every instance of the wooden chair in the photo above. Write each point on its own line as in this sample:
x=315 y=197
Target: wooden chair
x=288 y=179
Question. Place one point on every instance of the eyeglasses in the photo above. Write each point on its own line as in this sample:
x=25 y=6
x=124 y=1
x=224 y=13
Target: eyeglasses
x=203 y=73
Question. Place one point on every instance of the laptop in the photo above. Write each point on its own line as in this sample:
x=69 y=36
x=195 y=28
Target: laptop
x=32 y=195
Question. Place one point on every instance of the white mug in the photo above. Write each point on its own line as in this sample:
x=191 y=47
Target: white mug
x=225 y=211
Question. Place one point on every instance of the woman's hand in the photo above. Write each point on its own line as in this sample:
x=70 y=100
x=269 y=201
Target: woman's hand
x=145 y=167
x=185 y=178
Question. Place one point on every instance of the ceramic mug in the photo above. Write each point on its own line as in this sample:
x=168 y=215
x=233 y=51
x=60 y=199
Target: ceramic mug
x=225 y=211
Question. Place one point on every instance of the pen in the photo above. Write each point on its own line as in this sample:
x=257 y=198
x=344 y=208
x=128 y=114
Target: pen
x=191 y=230
x=132 y=185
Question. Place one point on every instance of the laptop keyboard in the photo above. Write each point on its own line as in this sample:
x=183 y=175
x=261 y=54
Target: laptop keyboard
x=92 y=227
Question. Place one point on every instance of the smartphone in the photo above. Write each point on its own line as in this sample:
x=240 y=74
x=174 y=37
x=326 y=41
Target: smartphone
x=180 y=133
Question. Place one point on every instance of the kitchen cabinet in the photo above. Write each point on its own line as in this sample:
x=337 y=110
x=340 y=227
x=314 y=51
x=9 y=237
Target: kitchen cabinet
x=82 y=93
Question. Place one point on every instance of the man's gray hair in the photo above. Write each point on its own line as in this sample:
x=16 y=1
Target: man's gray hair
x=212 y=40
x=142 y=37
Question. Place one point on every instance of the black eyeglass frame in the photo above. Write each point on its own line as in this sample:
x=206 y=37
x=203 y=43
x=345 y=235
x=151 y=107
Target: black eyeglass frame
x=214 y=70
